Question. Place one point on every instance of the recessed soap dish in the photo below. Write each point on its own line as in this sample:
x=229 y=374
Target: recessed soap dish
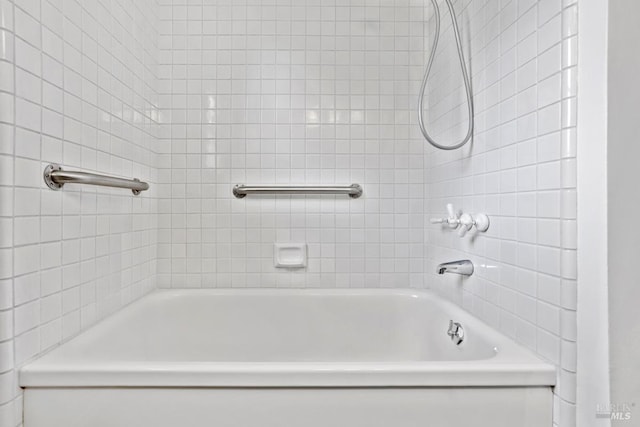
x=290 y=255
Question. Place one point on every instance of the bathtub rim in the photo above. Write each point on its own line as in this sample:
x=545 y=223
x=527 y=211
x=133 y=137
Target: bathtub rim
x=513 y=365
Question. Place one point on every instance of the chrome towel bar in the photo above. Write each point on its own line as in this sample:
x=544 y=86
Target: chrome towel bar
x=240 y=191
x=56 y=178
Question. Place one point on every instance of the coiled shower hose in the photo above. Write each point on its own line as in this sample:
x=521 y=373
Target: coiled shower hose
x=465 y=76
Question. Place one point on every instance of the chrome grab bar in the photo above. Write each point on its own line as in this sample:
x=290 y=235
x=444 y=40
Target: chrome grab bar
x=240 y=191
x=56 y=178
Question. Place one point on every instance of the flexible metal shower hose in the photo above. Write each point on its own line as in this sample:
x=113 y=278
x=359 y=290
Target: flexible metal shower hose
x=465 y=76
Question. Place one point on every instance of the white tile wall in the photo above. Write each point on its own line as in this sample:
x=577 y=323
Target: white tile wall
x=299 y=92
x=520 y=170
x=196 y=96
x=78 y=86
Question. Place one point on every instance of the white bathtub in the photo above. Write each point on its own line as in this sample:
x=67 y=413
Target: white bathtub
x=357 y=358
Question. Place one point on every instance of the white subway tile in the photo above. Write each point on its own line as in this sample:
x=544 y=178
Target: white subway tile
x=27 y=317
x=6 y=356
x=26 y=288
x=7 y=386
x=6 y=14
x=6 y=325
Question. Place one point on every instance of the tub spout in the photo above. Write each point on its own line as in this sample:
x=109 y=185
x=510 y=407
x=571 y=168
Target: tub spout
x=463 y=267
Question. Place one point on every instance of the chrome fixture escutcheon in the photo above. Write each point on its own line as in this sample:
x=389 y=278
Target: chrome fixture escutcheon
x=455 y=332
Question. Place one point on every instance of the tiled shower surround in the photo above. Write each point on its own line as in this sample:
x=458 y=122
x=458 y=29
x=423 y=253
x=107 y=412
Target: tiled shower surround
x=78 y=88
x=197 y=96
x=520 y=170
x=290 y=92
